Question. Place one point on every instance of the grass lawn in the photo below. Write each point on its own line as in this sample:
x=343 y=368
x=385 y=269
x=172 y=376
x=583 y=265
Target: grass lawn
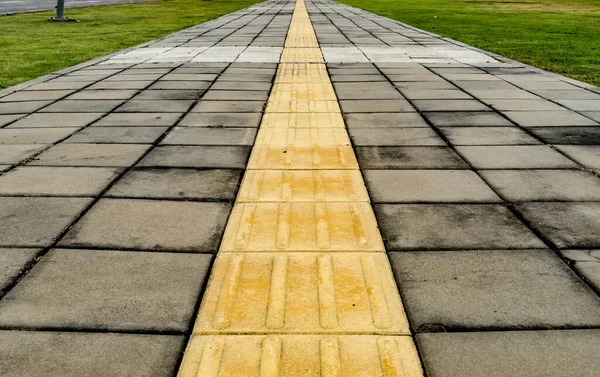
x=31 y=47
x=561 y=36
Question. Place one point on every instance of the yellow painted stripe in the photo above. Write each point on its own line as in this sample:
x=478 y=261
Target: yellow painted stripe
x=301 y=285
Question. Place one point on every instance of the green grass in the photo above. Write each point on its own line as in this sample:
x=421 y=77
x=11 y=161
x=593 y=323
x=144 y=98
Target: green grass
x=31 y=47
x=561 y=36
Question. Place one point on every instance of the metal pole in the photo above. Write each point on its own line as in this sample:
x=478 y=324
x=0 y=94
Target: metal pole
x=60 y=13
x=60 y=10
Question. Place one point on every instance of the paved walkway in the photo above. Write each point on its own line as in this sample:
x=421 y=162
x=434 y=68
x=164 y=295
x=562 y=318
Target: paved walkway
x=124 y=176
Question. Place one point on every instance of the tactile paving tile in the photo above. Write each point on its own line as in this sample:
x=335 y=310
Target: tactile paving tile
x=316 y=91
x=302 y=55
x=301 y=356
x=325 y=226
x=302 y=120
x=302 y=73
x=302 y=293
x=302 y=186
x=301 y=39
x=302 y=137
x=292 y=157
x=302 y=106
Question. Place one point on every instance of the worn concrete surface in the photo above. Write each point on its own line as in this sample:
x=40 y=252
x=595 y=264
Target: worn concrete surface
x=483 y=171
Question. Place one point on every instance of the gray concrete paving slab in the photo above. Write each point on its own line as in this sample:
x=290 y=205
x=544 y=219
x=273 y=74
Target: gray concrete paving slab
x=35 y=136
x=8 y=118
x=487 y=136
x=72 y=354
x=586 y=155
x=236 y=95
x=466 y=119
x=586 y=263
x=452 y=226
x=208 y=156
x=180 y=85
x=581 y=104
x=22 y=107
x=229 y=107
x=568 y=135
x=13 y=154
x=514 y=157
x=409 y=158
x=245 y=85
x=12 y=262
x=56 y=181
x=543 y=185
x=422 y=186
x=368 y=70
x=344 y=94
x=155 y=225
x=107 y=290
x=355 y=77
x=36 y=222
x=116 y=85
x=102 y=95
x=453 y=94
x=523 y=105
x=395 y=137
x=375 y=106
x=566 y=225
x=246 y=78
x=38 y=120
x=116 y=155
x=209 y=184
x=577 y=94
x=563 y=118
x=218 y=120
x=516 y=353
x=124 y=135
x=354 y=86
x=384 y=120
x=82 y=106
x=450 y=105
x=210 y=136
x=146 y=119
x=42 y=95
x=53 y=85
x=490 y=97
x=155 y=106
x=486 y=85
x=170 y=95
x=492 y=289
x=595 y=115
x=424 y=85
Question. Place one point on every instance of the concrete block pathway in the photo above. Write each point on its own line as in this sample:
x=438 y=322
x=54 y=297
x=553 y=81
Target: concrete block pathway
x=300 y=188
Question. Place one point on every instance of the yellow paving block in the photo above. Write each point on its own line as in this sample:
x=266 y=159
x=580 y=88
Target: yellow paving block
x=303 y=91
x=302 y=73
x=302 y=137
x=301 y=356
x=301 y=40
x=325 y=226
x=302 y=293
x=302 y=120
x=302 y=186
x=301 y=55
x=302 y=106
x=292 y=157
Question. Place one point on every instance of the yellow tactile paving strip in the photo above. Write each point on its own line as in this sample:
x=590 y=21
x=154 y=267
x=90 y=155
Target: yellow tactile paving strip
x=301 y=356
x=301 y=285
